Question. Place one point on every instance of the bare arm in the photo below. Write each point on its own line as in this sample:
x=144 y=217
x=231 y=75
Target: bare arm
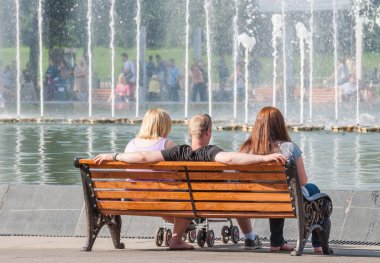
x=133 y=157
x=301 y=171
x=245 y=158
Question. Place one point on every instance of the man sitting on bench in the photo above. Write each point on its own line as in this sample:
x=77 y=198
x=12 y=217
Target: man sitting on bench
x=200 y=131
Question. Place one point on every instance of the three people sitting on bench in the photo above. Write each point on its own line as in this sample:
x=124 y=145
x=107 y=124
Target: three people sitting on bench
x=200 y=131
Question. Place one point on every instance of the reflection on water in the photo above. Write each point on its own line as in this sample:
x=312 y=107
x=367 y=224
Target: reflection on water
x=43 y=154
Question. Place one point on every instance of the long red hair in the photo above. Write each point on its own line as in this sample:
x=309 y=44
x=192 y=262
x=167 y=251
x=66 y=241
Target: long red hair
x=269 y=127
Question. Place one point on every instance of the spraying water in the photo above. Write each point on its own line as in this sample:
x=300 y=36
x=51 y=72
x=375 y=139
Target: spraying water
x=248 y=43
x=89 y=53
x=138 y=21
x=112 y=47
x=276 y=33
x=335 y=57
x=311 y=59
x=207 y=5
x=18 y=57
x=40 y=58
x=302 y=34
x=284 y=59
x=235 y=20
x=359 y=52
x=187 y=29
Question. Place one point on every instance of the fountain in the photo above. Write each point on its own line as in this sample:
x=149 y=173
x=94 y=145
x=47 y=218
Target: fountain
x=311 y=48
x=248 y=43
x=304 y=36
x=89 y=55
x=284 y=16
x=235 y=57
x=335 y=31
x=112 y=47
x=276 y=33
x=284 y=59
x=187 y=30
x=18 y=70
x=40 y=58
x=207 y=6
x=138 y=21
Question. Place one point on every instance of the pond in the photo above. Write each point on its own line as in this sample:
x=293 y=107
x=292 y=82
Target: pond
x=44 y=154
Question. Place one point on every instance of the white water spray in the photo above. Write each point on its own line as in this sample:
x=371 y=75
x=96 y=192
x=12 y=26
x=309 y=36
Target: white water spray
x=138 y=21
x=18 y=84
x=187 y=29
x=207 y=6
x=311 y=60
x=112 y=47
x=335 y=28
x=359 y=54
x=236 y=33
x=89 y=53
x=248 y=43
x=40 y=58
x=277 y=22
x=284 y=59
x=303 y=36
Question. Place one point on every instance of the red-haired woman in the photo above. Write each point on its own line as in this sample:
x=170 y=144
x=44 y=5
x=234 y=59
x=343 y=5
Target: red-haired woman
x=269 y=135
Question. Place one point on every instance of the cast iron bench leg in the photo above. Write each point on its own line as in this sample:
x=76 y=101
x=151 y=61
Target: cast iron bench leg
x=115 y=227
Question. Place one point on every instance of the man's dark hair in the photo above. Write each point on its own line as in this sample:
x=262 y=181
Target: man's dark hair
x=124 y=55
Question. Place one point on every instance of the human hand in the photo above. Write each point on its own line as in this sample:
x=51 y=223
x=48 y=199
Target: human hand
x=277 y=157
x=103 y=157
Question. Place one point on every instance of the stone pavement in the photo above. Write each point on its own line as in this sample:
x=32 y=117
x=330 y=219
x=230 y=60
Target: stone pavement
x=61 y=249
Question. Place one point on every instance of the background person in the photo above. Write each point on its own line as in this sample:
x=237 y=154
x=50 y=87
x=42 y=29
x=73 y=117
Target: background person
x=154 y=88
x=172 y=80
x=129 y=72
x=342 y=73
x=122 y=90
x=200 y=131
x=81 y=80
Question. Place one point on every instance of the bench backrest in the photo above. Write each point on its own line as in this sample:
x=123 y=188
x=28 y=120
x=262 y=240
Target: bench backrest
x=190 y=189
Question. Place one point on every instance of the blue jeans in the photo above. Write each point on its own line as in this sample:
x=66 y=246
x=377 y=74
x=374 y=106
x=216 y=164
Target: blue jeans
x=276 y=225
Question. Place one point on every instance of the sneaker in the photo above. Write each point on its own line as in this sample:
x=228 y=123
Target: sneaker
x=252 y=243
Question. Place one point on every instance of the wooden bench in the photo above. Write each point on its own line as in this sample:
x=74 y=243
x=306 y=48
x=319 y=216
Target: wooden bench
x=320 y=94
x=199 y=190
x=101 y=94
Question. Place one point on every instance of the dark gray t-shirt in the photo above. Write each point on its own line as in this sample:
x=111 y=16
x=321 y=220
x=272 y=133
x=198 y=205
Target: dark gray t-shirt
x=185 y=153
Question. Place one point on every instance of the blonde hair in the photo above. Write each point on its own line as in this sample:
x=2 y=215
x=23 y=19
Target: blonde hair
x=121 y=79
x=199 y=124
x=156 y=124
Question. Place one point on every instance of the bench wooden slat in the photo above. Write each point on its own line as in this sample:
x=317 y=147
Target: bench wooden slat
x=198 y=196
x=154 y=195
x=207 y=176
x=207 y=214
x=268 y=167
x=205 y=206
x=216 y=186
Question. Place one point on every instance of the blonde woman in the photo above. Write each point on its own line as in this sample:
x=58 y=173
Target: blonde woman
x=153 y=133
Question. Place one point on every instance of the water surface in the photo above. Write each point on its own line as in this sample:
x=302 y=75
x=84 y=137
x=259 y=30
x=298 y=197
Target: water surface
x=43 y=154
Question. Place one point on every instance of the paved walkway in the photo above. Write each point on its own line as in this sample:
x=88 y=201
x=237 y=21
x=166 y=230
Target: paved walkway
x=58 y=249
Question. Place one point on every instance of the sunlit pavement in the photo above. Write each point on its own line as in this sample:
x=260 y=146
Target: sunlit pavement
x=60 y=249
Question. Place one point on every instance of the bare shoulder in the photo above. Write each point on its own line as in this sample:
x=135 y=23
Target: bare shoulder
x=169 y=144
